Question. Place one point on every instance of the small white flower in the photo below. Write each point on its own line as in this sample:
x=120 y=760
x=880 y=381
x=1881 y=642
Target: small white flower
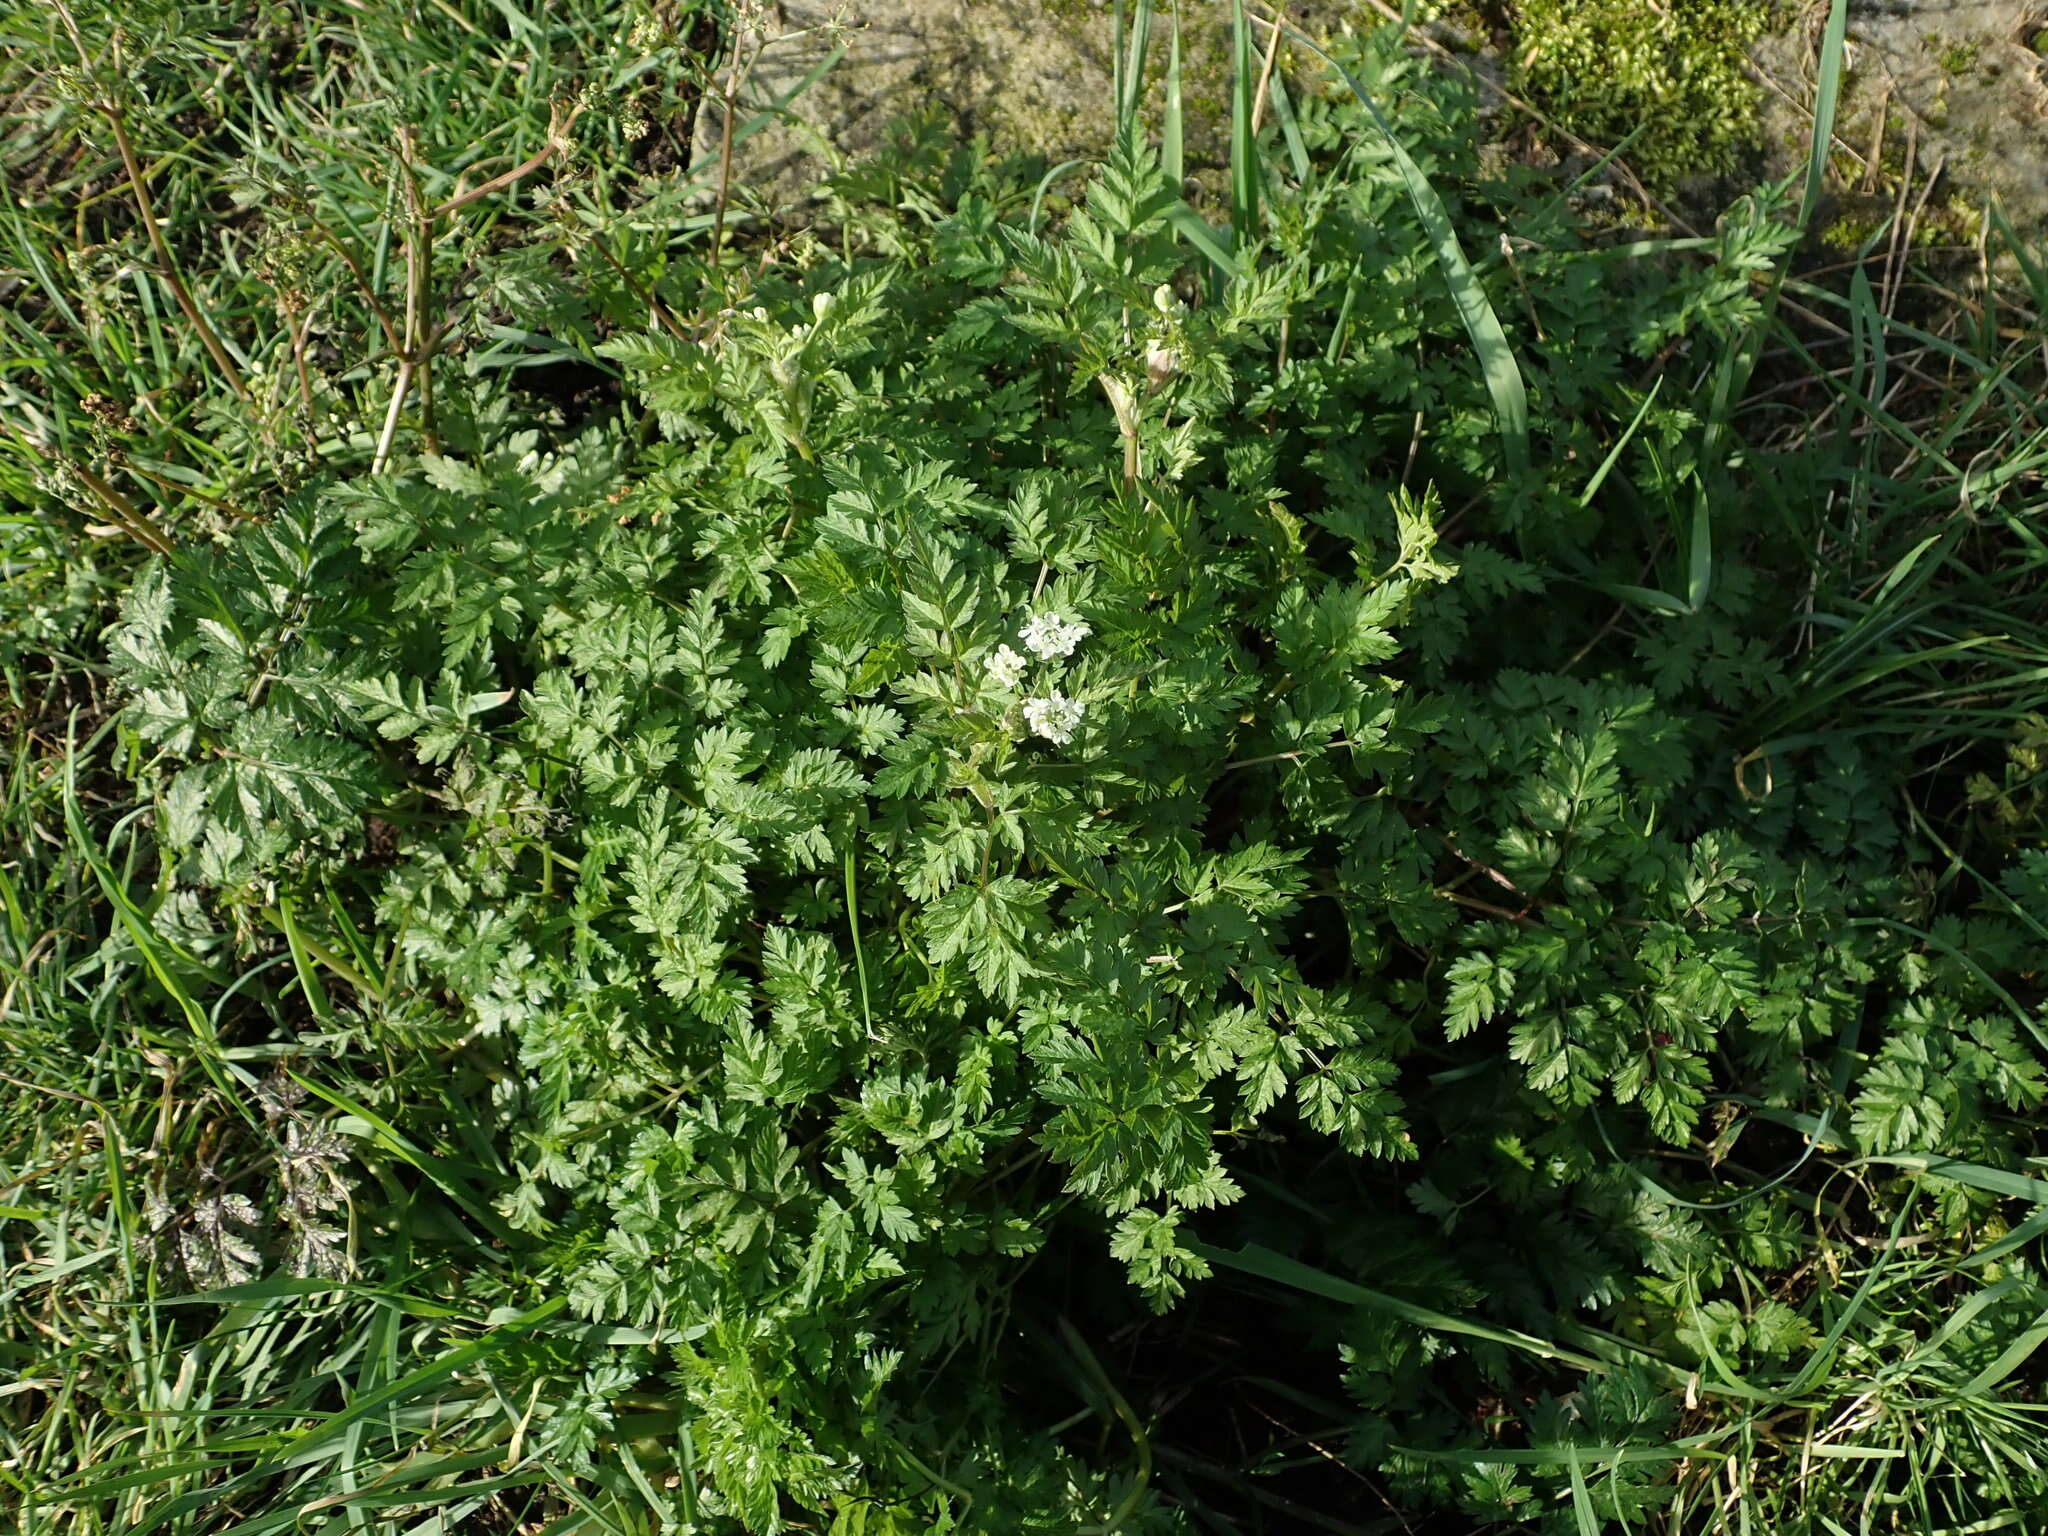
x=1049 y=635
x=1055 y=717
x=1006 y=667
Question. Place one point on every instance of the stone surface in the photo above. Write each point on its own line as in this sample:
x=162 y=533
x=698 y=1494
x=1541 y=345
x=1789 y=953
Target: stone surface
x=1020 y=71
x=1032 y=75
x=1966 y=81
x=1963 y=83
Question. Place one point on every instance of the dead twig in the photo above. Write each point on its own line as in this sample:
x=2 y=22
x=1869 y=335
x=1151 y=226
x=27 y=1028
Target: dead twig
x=138 y=185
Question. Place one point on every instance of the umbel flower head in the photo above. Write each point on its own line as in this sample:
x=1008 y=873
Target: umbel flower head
x=1006 y=667
x=1055 y=717
x=1049 y=635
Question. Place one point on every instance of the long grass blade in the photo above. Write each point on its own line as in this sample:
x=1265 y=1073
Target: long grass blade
x=1204 y=237
x=1253 y=1259
x=2010 y=1359
x=1244 y=149
x=1290 y=126
x=1614 y=454
x=1504 y=383
x=1131 y=78
x=1172 y=148
x=1827 y=99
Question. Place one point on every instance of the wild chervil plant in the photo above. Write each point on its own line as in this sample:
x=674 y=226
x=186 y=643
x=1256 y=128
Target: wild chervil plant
x=1004 y=762
x=889 y=799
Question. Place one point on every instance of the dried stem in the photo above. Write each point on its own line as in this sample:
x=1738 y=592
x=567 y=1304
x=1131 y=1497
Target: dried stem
x=563 y=118
x=728 y=105
x=166 y=264
x=384 y=438
x=355 y=268
x=126 y=513
x=173 y=488
x=655 y=308
x=132 y=519
x=299 y=322
x=412 y=341
x=419 y=270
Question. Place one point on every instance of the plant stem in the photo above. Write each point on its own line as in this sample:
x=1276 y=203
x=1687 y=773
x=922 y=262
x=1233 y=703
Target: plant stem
x=130 y=516
x=384 y=439
x=518 y=173
x=165 y=263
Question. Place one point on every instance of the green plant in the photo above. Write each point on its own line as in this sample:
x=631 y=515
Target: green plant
x=1958 y=57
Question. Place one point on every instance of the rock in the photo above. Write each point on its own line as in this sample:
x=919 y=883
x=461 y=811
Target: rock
x=1959 y=83
x=1965 y=80
x=1031 y=75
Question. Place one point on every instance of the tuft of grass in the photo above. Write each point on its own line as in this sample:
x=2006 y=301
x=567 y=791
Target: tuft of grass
x=229 y=236
x=1496 y=356
x=296 y=214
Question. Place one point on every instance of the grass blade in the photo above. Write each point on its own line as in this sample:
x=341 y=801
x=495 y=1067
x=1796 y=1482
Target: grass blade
x=1131 y=77
x=1253 y=1259
x=1172 y=149
x=442 y=1171
x=1997 y=1181
x=2021 y=1235
x=1504 y=384
x=230 y=1079
x=1827 y=98
x=1699 y=580
x=2010 y=1359
x=1614 y=454
x=1244 y=150
x=860 y=958
x=1199 y=233
x=1582 y=1498
x=1290 y=126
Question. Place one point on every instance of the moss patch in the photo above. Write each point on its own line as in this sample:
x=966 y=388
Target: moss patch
x=1958 y=57
x=1608 y=68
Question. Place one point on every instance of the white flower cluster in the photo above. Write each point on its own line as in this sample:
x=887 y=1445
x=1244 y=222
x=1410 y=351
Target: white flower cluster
x=1006 y=667
x=1055 y=717
x=1049 y=635
x=1050 y=638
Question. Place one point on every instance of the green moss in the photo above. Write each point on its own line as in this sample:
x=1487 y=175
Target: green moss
x=1606 y=68
x=1945 y=221
x=1850 y=230
x=1958 y=58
